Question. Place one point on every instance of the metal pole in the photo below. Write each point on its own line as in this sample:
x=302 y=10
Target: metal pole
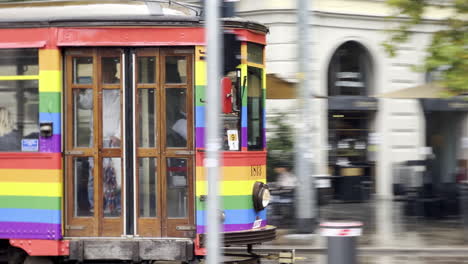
x=213 y=137
x=305 y=190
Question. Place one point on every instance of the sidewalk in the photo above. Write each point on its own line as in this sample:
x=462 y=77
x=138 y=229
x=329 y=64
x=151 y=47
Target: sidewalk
x=386 y=229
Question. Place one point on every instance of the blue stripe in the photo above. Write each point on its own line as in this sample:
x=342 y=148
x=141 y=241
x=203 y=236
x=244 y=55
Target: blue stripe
x=200 y=116
x=30 y=215
x=54 y=118
x=244 y=116
x=242 y=216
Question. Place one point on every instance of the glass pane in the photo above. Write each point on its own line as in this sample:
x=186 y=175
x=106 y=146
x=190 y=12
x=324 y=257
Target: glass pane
x=111 y=186
x=176 y=117
x=147 y=118
x=111 y=118
x=255 y=109
x=111 y=70
x=83 y=194
x=255 y=53
x=176 y=69
x=146 y=69
x=19 y=115
x=83 y=70
x=19 y=62
x=83 y=108
x=148 y=177
x=177 y=187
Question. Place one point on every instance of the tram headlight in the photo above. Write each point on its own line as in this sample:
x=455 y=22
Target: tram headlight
x=260 y=196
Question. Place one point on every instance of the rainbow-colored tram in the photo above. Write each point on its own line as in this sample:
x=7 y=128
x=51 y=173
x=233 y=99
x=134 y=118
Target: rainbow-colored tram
x=102 y=124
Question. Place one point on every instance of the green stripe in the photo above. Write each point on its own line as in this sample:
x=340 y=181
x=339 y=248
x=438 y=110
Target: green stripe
x=49 y=102
x=200 y=95
x=30 y=202
x=230 y=202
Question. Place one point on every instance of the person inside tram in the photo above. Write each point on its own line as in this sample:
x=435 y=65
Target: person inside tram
x=10 y=138
x=111 y=138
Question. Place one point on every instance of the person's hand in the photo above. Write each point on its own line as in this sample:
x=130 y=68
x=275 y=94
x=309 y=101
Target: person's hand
x=115 y=141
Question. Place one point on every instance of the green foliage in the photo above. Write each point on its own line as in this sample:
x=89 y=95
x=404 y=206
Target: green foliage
x=280 y=144
x=448 y=51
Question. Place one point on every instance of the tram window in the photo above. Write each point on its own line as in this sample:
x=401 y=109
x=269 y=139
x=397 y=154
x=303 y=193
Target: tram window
x=111 y=70
x=231 y=120
x=111 y=186
x=19 y=62
x=148 y=182
x=176 y=69
x=83 y=108
x=146 y=118
x=176 y=117
x=83 y=70
x=255 y=109
x=111 y=135
x=19 y=115
x=146 y=69
x=255 y=53
x=177 y=187
x=83 y=194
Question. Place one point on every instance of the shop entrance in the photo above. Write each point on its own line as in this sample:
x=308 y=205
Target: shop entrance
x=129 y=142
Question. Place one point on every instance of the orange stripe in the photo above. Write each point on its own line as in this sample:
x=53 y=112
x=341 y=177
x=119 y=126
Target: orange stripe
x=49 y=60
x=21 y=175
x=237 y=173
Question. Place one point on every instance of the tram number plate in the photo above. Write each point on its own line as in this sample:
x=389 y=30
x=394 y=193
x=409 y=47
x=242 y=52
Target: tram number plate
x=257 y=224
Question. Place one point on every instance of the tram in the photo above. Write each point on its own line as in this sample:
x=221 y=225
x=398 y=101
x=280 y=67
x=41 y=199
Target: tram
x=102 y=107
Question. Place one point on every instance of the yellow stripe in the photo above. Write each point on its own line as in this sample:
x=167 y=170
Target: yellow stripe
x=18 y=175
x=238 y=173
x=256 y=65
x=200 y=73
x=31 y=189
x=50 y=81
x=244 y=53
x=228 y=187
x=19 y=77
x=50 y=60
x=263 y=79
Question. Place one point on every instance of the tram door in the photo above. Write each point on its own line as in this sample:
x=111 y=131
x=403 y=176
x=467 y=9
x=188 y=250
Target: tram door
x=129 y=142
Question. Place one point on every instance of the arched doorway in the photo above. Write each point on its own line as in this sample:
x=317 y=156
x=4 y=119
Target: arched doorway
x=351 y=115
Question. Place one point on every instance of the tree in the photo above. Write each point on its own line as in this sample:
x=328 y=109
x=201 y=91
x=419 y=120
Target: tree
x=448 y=51
x=280 y=144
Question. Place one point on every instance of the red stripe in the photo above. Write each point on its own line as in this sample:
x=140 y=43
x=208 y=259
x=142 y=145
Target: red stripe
x=247 y=35
x=251 y=158
x=130 y=36
x=28 y=38
x=30 y=161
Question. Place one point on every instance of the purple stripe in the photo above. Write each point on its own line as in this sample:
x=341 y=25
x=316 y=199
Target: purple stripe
x=244 y=137
x=51 y=144
x=30 y=230
x=231 y=228
x=200 y=137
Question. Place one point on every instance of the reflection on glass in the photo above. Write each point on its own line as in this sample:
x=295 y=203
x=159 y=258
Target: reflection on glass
x=176 y=117
x=19 y=115
x=177 y=170
x=83 y=191
x=83 y=118
x=111 y=186
x=19 y=62
x=148 y=180
x=147 y=106
x=83 y=70
x=146 y=69
x=255 y=53
x=176 y=69
x=111 y=118
x=111 y=70
x=255 y=109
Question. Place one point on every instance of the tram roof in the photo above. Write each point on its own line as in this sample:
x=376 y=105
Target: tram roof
x=108 y=13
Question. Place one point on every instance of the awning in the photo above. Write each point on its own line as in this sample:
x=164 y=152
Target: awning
x=429 y=90
x=278 y=88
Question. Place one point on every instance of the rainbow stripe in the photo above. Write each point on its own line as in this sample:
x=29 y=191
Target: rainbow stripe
x=31 y=184
x=238 y=179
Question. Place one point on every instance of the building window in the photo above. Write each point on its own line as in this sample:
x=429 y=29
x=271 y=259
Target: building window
x=19 y=100
x=349 y=72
